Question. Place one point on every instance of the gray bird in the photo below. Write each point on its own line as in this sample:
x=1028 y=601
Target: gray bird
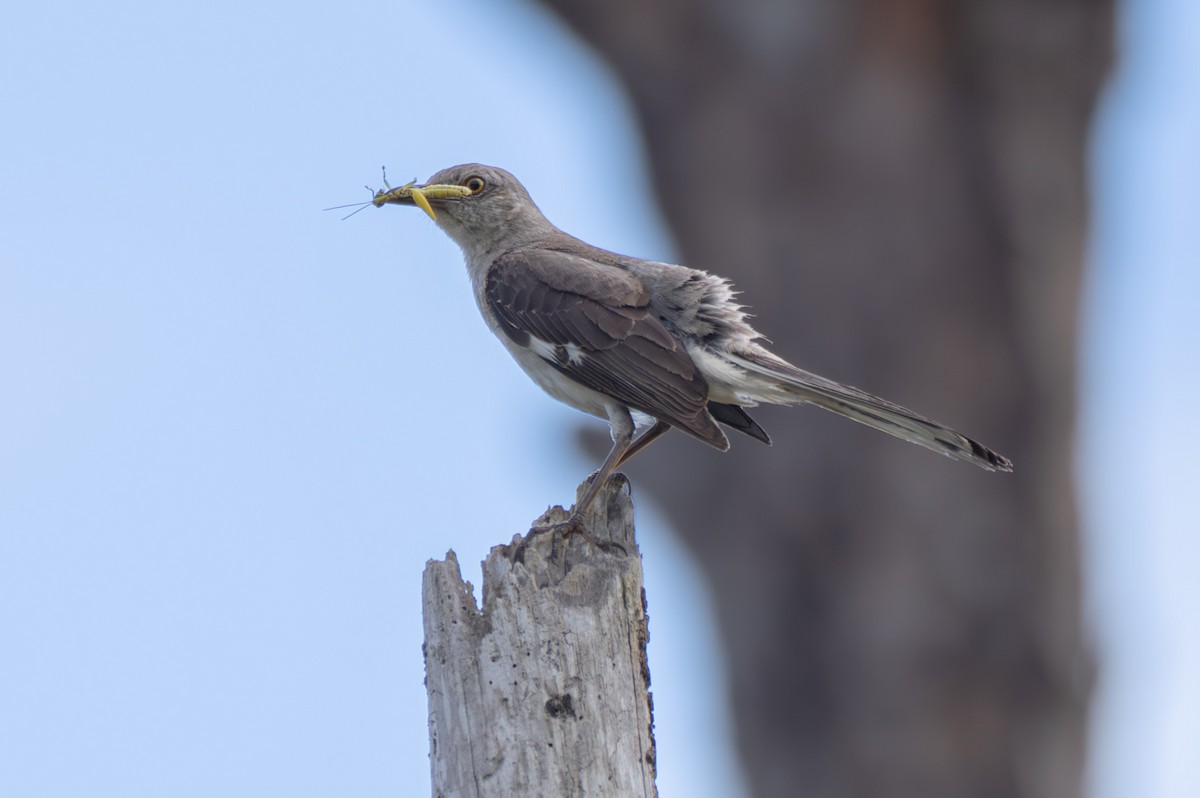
x=646 y=346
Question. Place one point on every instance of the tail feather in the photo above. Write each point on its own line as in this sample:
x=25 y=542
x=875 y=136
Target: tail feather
x=736 y=418
x=786 y=384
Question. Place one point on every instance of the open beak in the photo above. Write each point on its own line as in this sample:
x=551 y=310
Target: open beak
x=421 y=196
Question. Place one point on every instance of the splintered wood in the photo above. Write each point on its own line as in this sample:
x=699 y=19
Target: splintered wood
x=545 y=691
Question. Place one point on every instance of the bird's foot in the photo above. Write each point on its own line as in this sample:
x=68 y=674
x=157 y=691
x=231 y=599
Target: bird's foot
x=563 y=530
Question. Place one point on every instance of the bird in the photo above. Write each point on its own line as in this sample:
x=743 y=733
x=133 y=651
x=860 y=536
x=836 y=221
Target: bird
x=644 y=345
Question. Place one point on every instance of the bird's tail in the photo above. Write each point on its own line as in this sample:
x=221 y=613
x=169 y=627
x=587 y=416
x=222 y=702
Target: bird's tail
x=778 y=382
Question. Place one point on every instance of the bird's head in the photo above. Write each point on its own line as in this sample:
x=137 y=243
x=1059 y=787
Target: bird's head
x=476 y=205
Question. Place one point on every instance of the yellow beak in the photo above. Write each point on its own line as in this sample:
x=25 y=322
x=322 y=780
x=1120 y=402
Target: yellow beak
x=412 y=194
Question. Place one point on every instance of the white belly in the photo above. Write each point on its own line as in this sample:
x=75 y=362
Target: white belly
x=557 y=384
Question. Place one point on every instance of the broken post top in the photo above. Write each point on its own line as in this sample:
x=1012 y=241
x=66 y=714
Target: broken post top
x=545 y=689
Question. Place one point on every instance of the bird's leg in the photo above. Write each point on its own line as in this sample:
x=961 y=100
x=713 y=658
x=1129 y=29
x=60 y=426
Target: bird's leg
x=622 y=434
x=648 y=437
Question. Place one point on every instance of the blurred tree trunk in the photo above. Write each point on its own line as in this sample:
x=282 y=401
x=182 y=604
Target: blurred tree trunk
x=899 y=188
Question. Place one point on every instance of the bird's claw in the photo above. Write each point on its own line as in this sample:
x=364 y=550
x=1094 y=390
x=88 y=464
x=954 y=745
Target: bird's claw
x=565 y=529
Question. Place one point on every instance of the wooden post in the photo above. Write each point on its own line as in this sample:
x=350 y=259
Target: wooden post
x=545 y=692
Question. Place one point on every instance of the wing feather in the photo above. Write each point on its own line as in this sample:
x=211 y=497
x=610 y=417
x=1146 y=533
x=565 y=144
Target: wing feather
x=604 y=336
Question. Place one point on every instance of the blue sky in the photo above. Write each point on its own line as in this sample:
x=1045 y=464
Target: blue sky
x=1138 y=426
x=231 y=435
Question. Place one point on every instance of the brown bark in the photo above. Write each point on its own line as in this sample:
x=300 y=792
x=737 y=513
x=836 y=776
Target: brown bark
x=898 y=187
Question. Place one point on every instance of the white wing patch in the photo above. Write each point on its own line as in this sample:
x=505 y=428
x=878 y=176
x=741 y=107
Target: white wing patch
x=567 y=353
x=574 y=354
x=543 y=349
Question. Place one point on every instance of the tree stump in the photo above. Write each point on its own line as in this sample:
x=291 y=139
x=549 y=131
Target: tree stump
x=545 y=691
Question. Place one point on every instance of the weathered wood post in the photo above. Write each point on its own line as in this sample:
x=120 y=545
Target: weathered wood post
x=545 y=691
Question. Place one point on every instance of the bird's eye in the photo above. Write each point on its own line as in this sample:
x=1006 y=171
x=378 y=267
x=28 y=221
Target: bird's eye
x=475 y=184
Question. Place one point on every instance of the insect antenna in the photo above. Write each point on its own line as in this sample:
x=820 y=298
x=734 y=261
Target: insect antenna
x=358 y=205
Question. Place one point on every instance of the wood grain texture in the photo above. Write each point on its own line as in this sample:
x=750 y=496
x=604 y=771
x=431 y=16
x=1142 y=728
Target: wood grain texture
x=545 y=690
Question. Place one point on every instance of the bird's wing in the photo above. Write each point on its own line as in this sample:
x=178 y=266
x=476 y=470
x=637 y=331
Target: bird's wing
x=591 y=322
